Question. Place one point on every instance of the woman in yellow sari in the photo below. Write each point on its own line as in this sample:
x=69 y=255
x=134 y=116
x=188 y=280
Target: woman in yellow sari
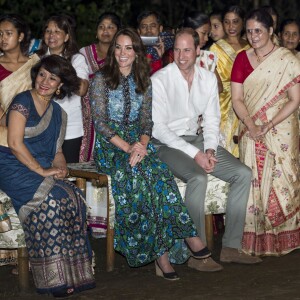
x=226 y=50
x=266 y=97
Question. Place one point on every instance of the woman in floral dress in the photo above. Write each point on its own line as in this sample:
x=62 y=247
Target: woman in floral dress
x=151 y=219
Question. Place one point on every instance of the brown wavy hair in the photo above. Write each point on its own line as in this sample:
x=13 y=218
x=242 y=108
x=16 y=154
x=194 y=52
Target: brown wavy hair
x=140 y=66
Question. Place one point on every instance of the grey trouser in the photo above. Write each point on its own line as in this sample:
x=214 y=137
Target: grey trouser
x=229 y=169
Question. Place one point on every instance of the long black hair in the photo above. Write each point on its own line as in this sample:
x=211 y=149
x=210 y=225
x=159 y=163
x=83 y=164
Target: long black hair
x=21 y=27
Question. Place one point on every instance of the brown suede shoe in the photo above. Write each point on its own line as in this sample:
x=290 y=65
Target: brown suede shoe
x=232 y=255
x=204 y=265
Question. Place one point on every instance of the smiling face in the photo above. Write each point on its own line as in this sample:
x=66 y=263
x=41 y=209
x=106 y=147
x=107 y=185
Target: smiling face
x=185 y=52
x=257 y=35
x=124 y=54
x=149 y=26
x=46 y=83
x=9 y=37
x=106 y=31
x=203 y=32
x=233 y=25
x=216 y=31
x=55 y=38
x=290 y=36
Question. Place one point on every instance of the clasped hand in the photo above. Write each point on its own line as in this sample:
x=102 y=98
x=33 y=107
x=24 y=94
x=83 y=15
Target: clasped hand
x=257 y=132
x=206 y=161
x=137 y=152
x=56 y=172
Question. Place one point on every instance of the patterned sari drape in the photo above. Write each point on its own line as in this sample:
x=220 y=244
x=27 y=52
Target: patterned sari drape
x=272 y=221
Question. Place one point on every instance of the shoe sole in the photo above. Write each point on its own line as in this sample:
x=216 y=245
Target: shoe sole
x=207 y=271
x=239 y=262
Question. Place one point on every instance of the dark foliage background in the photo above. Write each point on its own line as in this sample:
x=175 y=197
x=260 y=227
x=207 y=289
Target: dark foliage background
x=86 y=12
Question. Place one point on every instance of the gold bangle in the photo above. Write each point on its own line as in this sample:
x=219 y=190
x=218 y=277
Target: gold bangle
x=271 y=121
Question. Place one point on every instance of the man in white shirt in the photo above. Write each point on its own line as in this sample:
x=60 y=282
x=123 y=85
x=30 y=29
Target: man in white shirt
x=183 y=91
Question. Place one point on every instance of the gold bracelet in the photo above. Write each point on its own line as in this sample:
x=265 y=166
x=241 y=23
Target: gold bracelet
x=271 y=121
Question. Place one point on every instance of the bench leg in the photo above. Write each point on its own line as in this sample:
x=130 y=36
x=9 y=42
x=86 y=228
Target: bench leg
x=110 y=251
x=81 y=184
x=23 y=269
x=209 y=231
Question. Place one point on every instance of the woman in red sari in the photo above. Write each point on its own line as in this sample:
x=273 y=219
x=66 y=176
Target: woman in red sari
x=266 y=96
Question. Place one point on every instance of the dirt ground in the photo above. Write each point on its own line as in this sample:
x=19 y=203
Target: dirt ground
x=275 y=278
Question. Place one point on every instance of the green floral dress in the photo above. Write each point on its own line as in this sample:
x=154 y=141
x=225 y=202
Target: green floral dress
x=150 y=215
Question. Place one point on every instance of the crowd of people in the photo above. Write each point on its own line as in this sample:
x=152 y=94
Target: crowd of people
x=219 y=95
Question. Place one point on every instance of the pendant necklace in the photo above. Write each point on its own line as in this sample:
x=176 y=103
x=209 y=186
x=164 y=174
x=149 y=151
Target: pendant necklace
x=260 y=57
x=45 y=99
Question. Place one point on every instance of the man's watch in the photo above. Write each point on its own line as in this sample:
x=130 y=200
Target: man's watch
x=211 y=151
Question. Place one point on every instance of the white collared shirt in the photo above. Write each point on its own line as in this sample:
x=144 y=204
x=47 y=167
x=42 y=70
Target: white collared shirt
x=175 y=109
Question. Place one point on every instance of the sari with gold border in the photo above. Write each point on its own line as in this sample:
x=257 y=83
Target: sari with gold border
x=52 y=212
x=229 y=121
x=272 y=224
x=11 y=85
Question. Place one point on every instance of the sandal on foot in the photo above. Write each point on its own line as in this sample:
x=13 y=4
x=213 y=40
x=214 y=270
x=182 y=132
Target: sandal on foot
x=203 y=253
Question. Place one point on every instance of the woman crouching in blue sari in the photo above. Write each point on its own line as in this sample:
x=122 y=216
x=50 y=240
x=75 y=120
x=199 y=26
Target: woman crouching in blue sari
x=52 y=210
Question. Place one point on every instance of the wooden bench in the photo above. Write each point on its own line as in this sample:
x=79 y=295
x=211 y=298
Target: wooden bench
x=215 y=201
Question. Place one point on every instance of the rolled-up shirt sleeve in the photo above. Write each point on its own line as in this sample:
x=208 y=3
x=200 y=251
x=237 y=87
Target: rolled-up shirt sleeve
x=211 y=118
x=160 y=115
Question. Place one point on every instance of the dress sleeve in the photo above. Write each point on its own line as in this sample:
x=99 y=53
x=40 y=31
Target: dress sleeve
x=241 y=68
x=21 y=104
x=80 y=66
x=146 y=113
x=237 y=74
x=99 y=102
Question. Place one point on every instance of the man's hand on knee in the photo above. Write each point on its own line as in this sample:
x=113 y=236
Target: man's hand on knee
x=204 y=162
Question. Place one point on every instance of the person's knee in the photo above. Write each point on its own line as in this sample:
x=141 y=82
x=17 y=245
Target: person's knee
x=243 y=173
x=198 y=180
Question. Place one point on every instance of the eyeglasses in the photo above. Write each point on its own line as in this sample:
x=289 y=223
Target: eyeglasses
x=255 y=31
x=109 y=27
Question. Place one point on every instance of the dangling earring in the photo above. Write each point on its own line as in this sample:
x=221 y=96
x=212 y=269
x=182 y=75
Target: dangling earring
x=136 y=58
x=57 y=92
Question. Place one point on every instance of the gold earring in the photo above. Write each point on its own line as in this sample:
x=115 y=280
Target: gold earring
x=57 y=92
